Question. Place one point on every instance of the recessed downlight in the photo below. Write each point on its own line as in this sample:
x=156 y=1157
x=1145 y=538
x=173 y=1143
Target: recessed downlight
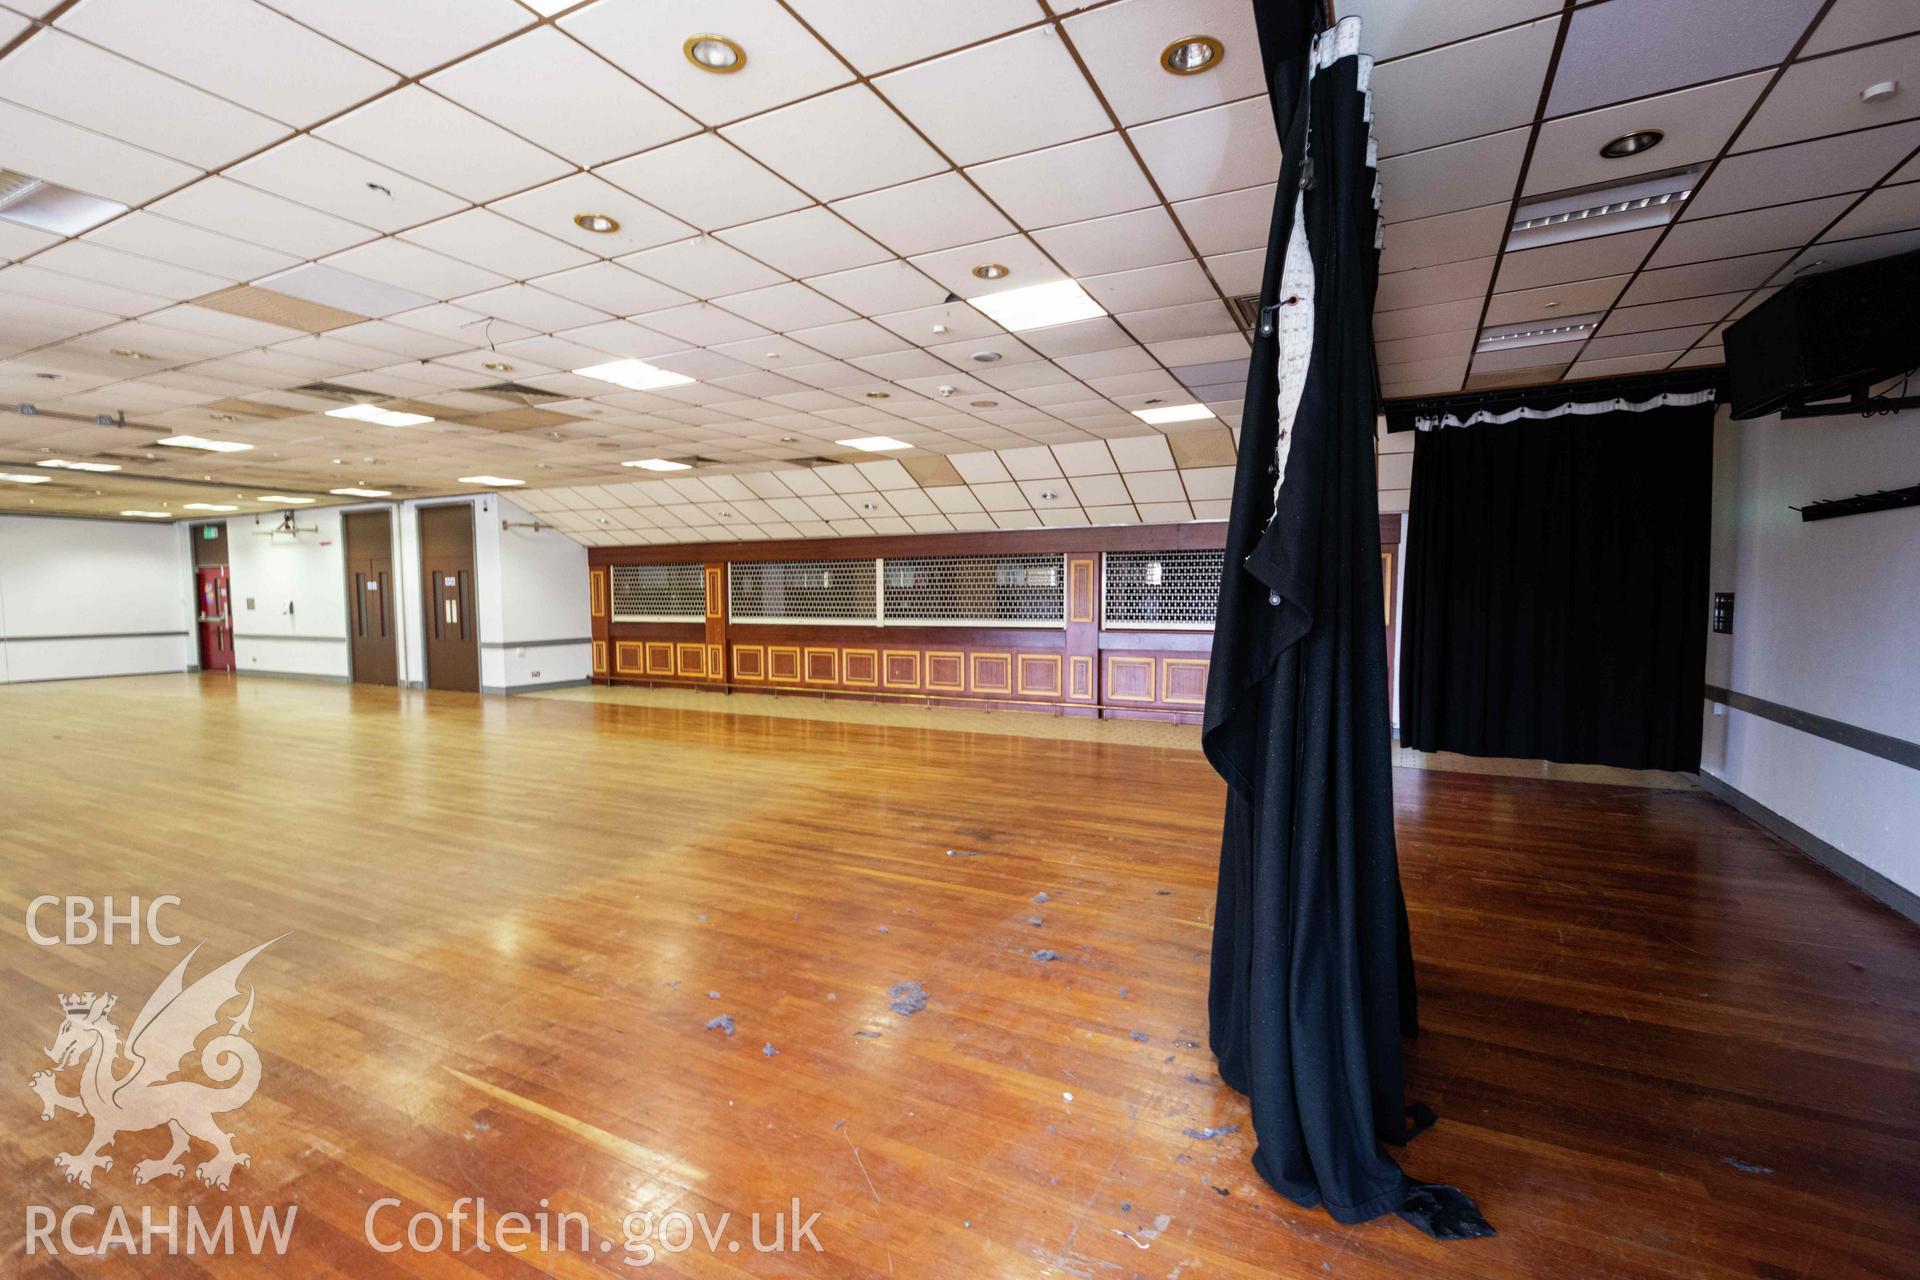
x=496 y=366
x=128 y=353
x=1632 y=144
x=983 y=404
x=992 y=271
x=658 y=464
x=985 y=357
x=1191 y=55
x=598 y=223
x=715 y=54
x=204 y=444
x=879 y=395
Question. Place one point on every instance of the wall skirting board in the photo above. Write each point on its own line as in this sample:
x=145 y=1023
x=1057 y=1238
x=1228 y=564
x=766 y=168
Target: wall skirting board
x=533 y=644
x=509 y=690
x=1883 y=745
x=1848 y=868
x=321 y=677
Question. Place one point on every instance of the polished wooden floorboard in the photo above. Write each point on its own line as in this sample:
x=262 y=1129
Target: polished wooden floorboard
x=1661 y=1044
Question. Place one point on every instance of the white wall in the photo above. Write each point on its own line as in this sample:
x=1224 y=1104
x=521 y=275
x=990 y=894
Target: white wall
x=289 y=596
x=93 y=598
x=1826 y=621
x=534 y=623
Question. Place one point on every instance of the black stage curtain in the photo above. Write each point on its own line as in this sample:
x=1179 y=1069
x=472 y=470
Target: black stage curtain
x=1312 y=979
x=1556 y=588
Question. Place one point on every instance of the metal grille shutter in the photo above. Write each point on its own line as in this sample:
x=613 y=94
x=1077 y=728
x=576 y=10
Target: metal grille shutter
x=803 y=591
x=1003 y=590
x=659 y=593
x=1161 y=590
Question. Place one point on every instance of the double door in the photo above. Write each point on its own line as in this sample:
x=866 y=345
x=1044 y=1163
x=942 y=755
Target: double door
x=370 y=597
x=446 y=568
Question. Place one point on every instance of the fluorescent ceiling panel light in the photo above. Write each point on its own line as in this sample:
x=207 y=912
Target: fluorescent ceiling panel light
x=207 y=506
x=496 y=481
x=200 y=442
x=1536 y=333
x=634 y=375
x=362 y=493
x=1166 y=413
x=16 y=478
x=42 y=205
x=378 y=416
x=1039 y=305
x=63 y=465
x=875 y=444
x=281 y=497
x=150 y=515
x=659 y=464
x=1601 y=211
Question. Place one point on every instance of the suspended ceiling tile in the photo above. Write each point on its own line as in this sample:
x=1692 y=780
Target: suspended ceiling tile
x=876 y=46
x=1886 y=210
x=1587 y=259
x=56 y=151
x=1142 y=238
x=1668 y=315
x=1701 y=356
x=890 y=292
x=1395 y=28
x=31 y=281
x=1427 y=285
x=1418 y=102
x=219 y=204
x=1230 y=221
x=1622 y=364
x=1121 y=45
x=1852 y=22
x=601 y=114
x=706 y=181
x=413 y=37
x=1785 y=226
x=1576 y=298
x=838 y=144
x=323 y=176
x=954 y=267
x=1021 y=92
x=1699 y=279
x=1697 y=123
x=1461 y=175
x=552 y=208
x=808 y=242
x=1206 y=152
x=166 y=240
x=1091 y=178
x=1546 y=354
x=1822 y=97
x=702 y=267
x=611 y=288
x=919 y=217
x=1438 y=317
x=1634 y=48
x=783 y=61
x=1082 y=337
x=1238 y=273
x=782 y=307
x=333 y=290
x=1643 y=343
x=1828 y=255
x=1803 y=171
x=536 y=309
x=238 y=47
x=1446 y=237
x=486 y=239
x=423 y=134
x=411 y=267
x=1427 y=346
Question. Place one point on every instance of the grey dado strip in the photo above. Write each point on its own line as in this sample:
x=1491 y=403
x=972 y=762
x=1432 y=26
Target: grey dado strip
x=509 y=689
x=533 y=644
x=102 y=635
x=1845 y=865
x=254 y=635
x=1885 y=746
x=258 y=674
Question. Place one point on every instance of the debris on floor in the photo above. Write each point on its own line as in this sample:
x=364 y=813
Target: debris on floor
x=1743 y=1166
x=963 y=853
x=767 y=1050
x=1208 y=1135
x=1046 y=954
x=907 y=998
x=1141 y=1036
x=882 y=929
x=1042 y=898
x=713 y=995
x=866 y=1035
x=722 y=1023
x=1035 y=921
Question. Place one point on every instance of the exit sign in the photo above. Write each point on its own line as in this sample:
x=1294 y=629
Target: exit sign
x=209 y=533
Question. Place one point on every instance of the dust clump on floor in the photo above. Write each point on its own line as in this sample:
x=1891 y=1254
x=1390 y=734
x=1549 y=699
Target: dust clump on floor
x=907 y=998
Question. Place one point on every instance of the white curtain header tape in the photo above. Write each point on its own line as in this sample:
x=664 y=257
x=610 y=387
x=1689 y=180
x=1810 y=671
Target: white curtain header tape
x=1586 y=407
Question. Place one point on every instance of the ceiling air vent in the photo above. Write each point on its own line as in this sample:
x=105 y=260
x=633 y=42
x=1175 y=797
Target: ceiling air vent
x=1246 y=310
x=519 y=393
x=344 y=394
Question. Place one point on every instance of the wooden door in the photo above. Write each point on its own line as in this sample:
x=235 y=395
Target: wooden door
x=446 y=569
x=370 y=605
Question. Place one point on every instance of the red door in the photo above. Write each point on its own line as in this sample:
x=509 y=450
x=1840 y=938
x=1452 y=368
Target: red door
x=216 y=619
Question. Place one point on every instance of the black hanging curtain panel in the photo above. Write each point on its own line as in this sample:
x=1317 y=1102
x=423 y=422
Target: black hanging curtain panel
x=1312 y=982
x=1556 y=587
